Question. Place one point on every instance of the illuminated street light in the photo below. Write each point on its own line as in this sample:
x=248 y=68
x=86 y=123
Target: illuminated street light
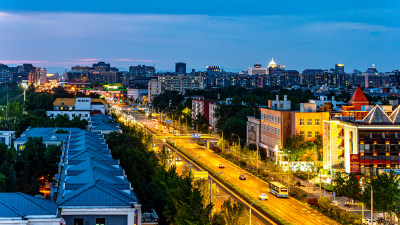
x=250 y=209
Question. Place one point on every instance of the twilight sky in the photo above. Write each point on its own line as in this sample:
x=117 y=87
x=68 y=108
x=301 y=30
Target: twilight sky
x=233 y=34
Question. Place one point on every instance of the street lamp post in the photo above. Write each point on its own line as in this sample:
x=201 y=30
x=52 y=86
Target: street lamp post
x=250 y=209
x=211 y=177
x=190 y=165
x=372 y=201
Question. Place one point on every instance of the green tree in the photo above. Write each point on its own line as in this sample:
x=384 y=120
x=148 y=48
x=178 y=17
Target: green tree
x=3 y=181
x=295 y=147
x=218 y=218
x=386 y=193
x=347 y=185
x=234 y=213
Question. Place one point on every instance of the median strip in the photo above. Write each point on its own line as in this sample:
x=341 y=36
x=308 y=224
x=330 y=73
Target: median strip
x=260 y=207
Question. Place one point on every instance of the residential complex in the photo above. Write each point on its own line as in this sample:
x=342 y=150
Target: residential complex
x=82 y=107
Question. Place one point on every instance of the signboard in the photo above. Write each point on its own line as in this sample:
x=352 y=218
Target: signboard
x=135 y=109
x=354 y=158
x=354 y=168
x=196 y=135
x=200 y=174
x=334 y=194
x=168 y=121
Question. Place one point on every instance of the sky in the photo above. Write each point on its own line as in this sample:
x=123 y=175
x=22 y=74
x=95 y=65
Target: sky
x=232 y=34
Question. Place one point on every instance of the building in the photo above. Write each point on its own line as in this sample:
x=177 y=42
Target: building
x=91 y=187
x=180 y=68
x=19 y=208
x=36 y=75
x=142 y=70
x=81 y=107
x=253 y=130
x=138 y=94
x=307 y=122
x=212 y=119
x=182 y=83
x=155 y=89
x=213 y=70
x=201 y=107
x=339 y=68
x=7 y=137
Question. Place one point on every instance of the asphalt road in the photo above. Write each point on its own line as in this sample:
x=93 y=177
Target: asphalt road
x=289 y=209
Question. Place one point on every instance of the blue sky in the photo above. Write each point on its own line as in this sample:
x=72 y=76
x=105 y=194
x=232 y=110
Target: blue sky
x=232 y=34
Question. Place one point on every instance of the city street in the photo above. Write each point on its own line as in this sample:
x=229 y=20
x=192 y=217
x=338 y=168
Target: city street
x=289 y=209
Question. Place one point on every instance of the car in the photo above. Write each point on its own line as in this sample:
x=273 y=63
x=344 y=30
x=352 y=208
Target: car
x=242 y=177
x=221 y=166
x=263 y=196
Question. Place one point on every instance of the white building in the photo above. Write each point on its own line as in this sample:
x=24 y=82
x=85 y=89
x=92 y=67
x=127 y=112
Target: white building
x=212 y=119
x=182 y=83
x=155 y=89
x=137 y=93
x=6 y=137
x=81 y=107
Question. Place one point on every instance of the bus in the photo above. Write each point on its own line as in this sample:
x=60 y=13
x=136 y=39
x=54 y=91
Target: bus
x=278 y=189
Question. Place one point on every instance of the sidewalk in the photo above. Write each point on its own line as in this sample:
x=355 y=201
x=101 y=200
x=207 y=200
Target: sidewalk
x=313 y=191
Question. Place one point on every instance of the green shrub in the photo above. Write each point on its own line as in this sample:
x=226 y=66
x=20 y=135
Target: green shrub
x=298 y=194
x=313 y=202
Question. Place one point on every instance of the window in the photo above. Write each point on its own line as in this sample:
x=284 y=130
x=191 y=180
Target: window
x=302 y=134
x=279 y=120
x=276 y=131
x=317 y=133
x=78 y=221
x=317 y=122
x=301 y=121
x=279 y=131
x=86 y=115
x=309 y=134
x=309 y=121
x=100 y=221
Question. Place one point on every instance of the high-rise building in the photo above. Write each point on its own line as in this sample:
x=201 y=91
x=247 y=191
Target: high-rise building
x=36 y=75
x=339 y=68
x=213 y=70
x=180 y=68
x=142 y=70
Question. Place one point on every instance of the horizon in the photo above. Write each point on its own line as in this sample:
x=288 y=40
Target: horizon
x=235 y=36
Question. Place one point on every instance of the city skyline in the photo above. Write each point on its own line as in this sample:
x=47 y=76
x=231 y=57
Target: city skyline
x=235 y=36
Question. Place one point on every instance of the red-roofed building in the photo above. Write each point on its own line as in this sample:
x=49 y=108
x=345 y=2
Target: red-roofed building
x=355 y=111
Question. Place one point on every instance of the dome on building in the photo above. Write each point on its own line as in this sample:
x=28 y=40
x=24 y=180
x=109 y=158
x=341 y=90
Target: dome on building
x=272 y=63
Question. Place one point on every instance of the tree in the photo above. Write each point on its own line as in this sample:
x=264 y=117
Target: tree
x=347 y=185
x=218 y=218
x=386 y=193
x=234 y=213
x=295 y=147
x=3 y=181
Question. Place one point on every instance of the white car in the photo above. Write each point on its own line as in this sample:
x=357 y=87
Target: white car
x=263 y=196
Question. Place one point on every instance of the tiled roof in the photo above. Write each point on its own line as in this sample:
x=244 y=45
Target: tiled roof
x=64 y=101
x=358 y=96
x=20 y=204
x=91 y=177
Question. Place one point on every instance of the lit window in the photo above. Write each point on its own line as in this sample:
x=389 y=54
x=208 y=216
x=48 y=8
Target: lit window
x=317 y=133
x=316 y=121
x=302 y=134
x=309 y=134
x=100 y=221
x=301 y=121
x=309 y=121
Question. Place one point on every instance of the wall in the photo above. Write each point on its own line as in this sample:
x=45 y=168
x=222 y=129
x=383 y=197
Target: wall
x=91 y=219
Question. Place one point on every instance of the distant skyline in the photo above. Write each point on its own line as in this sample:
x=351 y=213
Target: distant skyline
x=235 y=35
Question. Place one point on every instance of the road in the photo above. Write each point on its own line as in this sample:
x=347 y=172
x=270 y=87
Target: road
x=289 y=209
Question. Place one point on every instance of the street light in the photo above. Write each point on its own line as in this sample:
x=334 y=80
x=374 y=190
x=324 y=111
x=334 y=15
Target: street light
x=190 y=165
x=372 y=201
x=222 y=133
x=211 y=177
x=250 y=209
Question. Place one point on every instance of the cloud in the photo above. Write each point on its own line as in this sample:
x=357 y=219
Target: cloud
x=131 y=60
x=88 y=60
x=22 y=61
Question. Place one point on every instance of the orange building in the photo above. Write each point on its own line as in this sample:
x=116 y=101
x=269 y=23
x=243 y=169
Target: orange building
x=307 y=124
x=355 y=110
